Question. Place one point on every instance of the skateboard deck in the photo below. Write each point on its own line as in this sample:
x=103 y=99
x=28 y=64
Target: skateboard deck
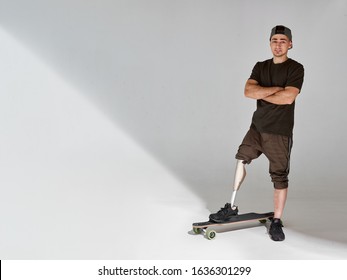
x=242 y=218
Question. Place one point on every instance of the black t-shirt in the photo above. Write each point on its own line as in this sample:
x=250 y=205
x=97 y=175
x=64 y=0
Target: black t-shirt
x=272 y=118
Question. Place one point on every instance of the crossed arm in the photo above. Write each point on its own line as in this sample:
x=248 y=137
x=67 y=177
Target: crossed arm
x=275 y=95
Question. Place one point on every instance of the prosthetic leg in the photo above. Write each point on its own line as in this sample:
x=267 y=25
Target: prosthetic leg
x=230 y=210
x=229 y=213
x=240 y=174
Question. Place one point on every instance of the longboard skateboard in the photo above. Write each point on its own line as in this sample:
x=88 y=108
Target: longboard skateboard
x=210 y=233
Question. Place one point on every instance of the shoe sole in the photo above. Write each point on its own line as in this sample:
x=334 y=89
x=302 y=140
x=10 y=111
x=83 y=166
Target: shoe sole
x=277 y=239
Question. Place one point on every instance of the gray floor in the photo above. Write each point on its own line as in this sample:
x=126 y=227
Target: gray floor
x=83 y=209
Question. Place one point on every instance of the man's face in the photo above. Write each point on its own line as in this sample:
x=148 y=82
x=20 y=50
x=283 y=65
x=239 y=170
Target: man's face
x=280 y=45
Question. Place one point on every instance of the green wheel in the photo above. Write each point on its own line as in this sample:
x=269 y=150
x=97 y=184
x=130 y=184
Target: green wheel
x=263 y=221
x=197 y=230
x=210 y=234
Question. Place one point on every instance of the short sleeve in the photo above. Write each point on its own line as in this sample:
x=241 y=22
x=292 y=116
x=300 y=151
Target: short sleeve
x=255 y=75
x=295 y=76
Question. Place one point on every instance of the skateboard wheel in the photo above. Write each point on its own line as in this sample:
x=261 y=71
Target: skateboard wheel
x=210 y=234
x=197 y=230
x=263 y=221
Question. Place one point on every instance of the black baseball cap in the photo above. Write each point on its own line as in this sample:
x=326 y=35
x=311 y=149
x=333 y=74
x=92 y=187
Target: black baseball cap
x=280 y=29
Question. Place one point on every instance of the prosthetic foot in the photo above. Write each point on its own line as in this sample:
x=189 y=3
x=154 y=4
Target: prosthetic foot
x=224 y=214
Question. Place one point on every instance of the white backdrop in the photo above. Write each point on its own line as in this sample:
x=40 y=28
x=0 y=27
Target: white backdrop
x=112 y=111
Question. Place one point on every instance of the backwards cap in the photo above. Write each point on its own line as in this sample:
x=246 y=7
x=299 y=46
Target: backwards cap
x=280 y=29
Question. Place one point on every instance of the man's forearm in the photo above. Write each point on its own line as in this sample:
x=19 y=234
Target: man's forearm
x=275 y=95
x=259 y=92
x=283 y=97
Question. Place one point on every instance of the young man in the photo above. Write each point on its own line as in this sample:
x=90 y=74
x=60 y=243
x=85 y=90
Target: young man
x=275 y=84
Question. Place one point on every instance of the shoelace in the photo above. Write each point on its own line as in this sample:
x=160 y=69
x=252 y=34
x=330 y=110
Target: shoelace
x=224 y=209
x=277 y=227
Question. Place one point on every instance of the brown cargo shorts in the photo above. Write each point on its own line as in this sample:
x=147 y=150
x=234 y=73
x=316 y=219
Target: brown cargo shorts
x=275 y=147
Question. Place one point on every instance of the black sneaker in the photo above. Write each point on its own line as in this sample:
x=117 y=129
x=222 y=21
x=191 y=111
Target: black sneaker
x=224 y=214
x=276 y=232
